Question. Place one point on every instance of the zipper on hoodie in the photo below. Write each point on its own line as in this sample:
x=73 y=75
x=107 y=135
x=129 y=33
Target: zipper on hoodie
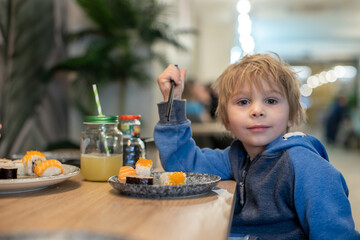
x=244 y=172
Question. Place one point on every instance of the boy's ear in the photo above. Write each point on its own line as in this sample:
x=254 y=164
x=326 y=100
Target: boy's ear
x=227 y=126
x=290 y=123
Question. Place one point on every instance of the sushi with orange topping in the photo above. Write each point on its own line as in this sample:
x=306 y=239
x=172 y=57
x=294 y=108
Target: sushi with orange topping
x=31 y=160
x=48 y=168
x=126 y=171
x=140 y=175
x=144 y=167
x=173 y=178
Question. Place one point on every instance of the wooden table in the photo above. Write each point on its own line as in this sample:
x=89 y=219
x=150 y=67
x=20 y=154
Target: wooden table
x=95 y=207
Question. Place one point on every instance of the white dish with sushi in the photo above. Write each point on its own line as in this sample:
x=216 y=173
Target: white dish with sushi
x=32 y=183
x=197 y=184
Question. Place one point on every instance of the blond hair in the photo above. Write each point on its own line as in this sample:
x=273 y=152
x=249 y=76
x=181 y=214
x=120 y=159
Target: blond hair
x=256 y=69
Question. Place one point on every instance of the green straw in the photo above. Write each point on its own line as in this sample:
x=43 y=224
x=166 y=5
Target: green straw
x=97 y=100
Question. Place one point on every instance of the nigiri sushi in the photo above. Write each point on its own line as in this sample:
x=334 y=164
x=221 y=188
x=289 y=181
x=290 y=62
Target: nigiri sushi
x=173 y=178
x=126 y=171
x=143 y=167
x=48 y=168
x=31 y=160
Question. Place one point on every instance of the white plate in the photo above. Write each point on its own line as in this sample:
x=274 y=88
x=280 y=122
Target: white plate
x=32 y=183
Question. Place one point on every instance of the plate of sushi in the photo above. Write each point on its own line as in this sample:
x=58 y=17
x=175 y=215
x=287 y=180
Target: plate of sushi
x=33 y=172
x=143 y=183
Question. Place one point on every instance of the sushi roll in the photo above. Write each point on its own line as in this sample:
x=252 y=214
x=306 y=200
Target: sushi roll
x=139 y=180
x=8 y=173
x=48 y=168
x=6 y=163
x=173 y=178
x=31 y=160
x=144 y=167
x=20 y=167
x=126 y=171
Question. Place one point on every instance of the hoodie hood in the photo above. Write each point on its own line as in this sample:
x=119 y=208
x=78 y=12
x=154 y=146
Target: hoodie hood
x=297 y=139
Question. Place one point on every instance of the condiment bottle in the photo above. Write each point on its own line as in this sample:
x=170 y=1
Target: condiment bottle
x=133 y=146
x=101 y=148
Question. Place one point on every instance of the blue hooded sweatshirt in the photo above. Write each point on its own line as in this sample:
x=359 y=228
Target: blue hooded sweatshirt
x=289 y=191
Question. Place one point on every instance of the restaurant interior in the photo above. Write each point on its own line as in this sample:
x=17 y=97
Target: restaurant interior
x=47 y=68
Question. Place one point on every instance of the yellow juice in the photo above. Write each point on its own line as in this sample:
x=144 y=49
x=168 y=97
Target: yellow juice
x=99 y=167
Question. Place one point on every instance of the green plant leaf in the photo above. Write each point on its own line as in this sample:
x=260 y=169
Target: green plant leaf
x=118 y=47
x=28 y=39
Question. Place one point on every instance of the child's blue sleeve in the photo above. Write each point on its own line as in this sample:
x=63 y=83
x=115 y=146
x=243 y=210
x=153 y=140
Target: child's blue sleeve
x=177 y=149
x=320 y=195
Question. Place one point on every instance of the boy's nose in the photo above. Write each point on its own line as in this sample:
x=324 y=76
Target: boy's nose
x=257 y=114
x=257 y=111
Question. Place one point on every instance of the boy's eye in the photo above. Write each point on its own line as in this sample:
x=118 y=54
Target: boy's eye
x=271 y=101
x=243 y=102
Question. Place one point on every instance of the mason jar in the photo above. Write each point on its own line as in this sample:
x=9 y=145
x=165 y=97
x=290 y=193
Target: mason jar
x=101 y=148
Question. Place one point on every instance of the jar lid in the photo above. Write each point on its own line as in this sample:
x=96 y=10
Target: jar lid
x=129 y=117
x=101 y=119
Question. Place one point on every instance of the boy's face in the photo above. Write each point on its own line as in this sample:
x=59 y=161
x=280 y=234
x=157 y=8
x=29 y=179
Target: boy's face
x=257 y=117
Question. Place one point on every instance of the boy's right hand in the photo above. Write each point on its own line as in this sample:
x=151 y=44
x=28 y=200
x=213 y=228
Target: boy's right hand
x=172 y=73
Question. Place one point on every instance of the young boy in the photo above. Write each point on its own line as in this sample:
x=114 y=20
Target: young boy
x=286 y=187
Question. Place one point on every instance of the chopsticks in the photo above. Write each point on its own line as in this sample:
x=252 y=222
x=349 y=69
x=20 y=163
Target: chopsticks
x=171 y=98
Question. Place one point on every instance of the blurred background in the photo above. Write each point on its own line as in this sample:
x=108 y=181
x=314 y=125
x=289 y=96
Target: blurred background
x=52 y=51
